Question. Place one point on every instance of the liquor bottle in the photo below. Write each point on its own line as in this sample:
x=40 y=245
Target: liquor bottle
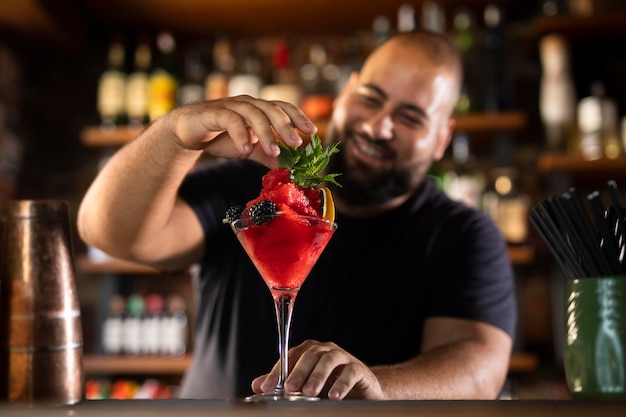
x=597 y=124
x=464 y=181
x=381 y=29
x=406 y=18
x=433 y=17
x=283 y=84
x=319 y=77
x=153 y=325
x=497 y=94
x=176 y=325
x=223 y=62
x=137 y=85
x=131 y=326
x=506 y=205
x=554 y=7
x=247 y=77
x=163 y=82
x=112 y=326
x=195 y=72
x=112 y=86
x=465 y=38
x=557 y=97
x=610 y=127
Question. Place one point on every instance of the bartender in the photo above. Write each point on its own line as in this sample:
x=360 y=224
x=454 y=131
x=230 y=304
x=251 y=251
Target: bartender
x=413 y=298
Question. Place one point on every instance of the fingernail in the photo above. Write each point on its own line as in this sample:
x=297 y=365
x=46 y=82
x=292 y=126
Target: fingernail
x=333 y=394
x=293 y=385
x=296 y=138
x=275 y=149
x=247 y=148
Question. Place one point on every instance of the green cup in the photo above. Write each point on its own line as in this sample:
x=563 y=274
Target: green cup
x=595 y=339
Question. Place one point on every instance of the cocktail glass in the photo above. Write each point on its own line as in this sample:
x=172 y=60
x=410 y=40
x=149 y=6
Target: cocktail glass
x=283 y=248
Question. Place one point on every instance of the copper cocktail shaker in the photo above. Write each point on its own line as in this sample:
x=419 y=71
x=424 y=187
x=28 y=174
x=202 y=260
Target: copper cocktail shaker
x=41 y=339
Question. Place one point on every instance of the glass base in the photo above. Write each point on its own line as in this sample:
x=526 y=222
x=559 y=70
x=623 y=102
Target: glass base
x=279 y=395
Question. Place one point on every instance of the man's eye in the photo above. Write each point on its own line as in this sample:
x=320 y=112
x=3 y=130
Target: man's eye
x=370 y=101
x=411 y=120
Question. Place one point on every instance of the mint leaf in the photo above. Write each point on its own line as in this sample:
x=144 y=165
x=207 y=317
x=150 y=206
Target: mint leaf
x=306 y=165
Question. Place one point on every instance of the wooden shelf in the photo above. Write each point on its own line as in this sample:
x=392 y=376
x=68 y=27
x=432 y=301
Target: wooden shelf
x=162 y=365
x=84 y=265
x=563 y=162
x=574 y=27
x=140 y=365
x=523 y=363
x=491 y=122
x=95 y=136
x=521 y=255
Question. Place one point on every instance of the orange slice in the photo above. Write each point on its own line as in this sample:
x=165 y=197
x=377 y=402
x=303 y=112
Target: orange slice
x=328 y=205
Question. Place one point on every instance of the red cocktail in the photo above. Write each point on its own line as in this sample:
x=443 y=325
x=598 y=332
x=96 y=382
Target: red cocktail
x=284 y=248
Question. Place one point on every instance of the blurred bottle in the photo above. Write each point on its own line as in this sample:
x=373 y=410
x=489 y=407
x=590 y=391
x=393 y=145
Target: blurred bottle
x=319 y=77
x=497 y=94
x=433 y=17
x=554 y=7
x=112 y=328
x=194 y=74
x=352 y=58
x=585 y=8
x=247 y=76
x=283 y=84
x=131 y=327
x=153 y=325
x=506 y=205
x=557 y=97
x=597 y=124
x=381 y=29
x=176 y=326
x=406 y=18
x=163 y=82
x=112 y=86
x=465 y=38
x=137 y=86
x=223 y=62
x=464 y=181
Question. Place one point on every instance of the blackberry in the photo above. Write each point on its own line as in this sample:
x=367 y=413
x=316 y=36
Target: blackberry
x=234 y=213
x=259 y=210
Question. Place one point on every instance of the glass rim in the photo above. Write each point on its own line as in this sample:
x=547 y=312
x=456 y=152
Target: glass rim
x=237 y=224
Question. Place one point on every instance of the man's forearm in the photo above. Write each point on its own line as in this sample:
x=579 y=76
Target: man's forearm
x=134 y=194
x=462 y=370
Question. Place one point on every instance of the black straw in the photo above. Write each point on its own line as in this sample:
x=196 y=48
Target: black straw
x=584 y=243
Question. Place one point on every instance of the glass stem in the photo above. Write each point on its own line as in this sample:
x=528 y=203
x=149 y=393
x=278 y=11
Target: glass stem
x=284 y=307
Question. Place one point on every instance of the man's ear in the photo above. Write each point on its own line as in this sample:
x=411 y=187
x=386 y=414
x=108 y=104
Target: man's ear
x=444 y=138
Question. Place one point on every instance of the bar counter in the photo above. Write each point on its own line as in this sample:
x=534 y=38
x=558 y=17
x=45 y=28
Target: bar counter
x=202 y=408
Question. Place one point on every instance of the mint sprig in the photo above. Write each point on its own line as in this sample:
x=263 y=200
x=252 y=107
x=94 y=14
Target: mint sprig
x=306 y=165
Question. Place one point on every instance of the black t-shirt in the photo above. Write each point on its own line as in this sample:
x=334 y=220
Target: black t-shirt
x=370 y=292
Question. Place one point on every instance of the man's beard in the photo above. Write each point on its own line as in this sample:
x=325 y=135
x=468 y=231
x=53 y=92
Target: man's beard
x=362 y=187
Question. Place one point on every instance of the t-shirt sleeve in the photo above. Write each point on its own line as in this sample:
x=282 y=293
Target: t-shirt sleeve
x=213 y=187
x=477 y=280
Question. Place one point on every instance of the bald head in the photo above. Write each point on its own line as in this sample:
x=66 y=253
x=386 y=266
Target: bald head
x=436 y=49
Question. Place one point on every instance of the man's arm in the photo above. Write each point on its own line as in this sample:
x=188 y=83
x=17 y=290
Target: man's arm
x=132 y=210
x=461 y=359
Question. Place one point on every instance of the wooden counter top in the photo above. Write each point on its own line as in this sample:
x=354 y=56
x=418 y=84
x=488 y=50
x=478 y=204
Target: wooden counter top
x=200 y=408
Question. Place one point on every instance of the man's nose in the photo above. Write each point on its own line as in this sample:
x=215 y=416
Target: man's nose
x=380 y=125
